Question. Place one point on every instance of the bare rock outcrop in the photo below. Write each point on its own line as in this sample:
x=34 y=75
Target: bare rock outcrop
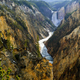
x=67 y=60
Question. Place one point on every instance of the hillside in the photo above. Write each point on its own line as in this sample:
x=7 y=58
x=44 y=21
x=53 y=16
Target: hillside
x=66 y=64
x=58 y=4
x=70 y=24
x=21 y=27
x=68 y=8
x=44 y=8
x=23 y=24
x=64 y=46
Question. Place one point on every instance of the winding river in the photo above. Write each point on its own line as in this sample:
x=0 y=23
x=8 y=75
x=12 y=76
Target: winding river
x=43 y=50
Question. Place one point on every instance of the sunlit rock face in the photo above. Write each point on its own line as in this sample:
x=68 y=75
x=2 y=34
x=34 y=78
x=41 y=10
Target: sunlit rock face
x=67 y=60
x=61 y=13
x=71 y=7
x=68 y=9
x=19 y=29
x=65 y=27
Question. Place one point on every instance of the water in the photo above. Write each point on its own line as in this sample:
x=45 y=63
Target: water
x=43 y=49
x=55 y=21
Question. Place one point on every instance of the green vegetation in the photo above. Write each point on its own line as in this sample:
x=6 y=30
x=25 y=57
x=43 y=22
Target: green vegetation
x=61 y=31
x=1 y=8
x=26 y=42
x=17 y=77
x=41 y=3
x=62 y=26
x=58 y=4
x=21 y=22
x=43 y=7
x=0 y=36
x=37 y=45
x=13 y=24
x=4 y=75
x=25 y=2
x=67 y=15
x=8 y=45
x=49 y=21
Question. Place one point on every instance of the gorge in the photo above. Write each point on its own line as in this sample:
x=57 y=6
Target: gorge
x=38 y=42
x=43 y=49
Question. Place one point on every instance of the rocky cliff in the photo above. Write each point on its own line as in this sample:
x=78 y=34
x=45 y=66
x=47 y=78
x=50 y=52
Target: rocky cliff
x=21 y=26
x=29 y=14
x=65 y=28
x=69 y=8
x=72 y=7
x=65 y=48
x=66 y=64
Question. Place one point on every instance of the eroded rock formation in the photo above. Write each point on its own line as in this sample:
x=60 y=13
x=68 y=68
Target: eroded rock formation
x=66 y=64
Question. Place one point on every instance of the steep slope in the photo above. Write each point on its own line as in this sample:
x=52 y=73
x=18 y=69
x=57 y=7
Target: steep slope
x=25 y=11
x=66 y=27
x=68 y=8
x=66 y=64
x=44 y=8
x=64 y=46
x=20 y=30
x=58 y=4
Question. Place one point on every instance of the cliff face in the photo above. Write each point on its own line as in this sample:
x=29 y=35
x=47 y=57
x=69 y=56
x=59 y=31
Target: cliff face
x=67 y=60
x=61 y=13
x=30 y=14
x=72 y=6
x=21 y=26
x=64 y=46
x=65 y=28
x=26 y=67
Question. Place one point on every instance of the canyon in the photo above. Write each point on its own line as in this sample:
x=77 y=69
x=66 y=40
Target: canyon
x=21 y=27
x=64 y=44
x=39 y=46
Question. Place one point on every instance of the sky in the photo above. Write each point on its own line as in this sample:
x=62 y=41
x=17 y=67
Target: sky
x=55 y=0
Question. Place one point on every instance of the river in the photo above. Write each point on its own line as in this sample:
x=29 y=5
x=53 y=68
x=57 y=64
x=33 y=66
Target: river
x=43 y=49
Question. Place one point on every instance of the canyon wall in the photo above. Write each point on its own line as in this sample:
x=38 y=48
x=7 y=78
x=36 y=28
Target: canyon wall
x=67 y=60
x=21 y=27
x=64 y=46
x=72 y=6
